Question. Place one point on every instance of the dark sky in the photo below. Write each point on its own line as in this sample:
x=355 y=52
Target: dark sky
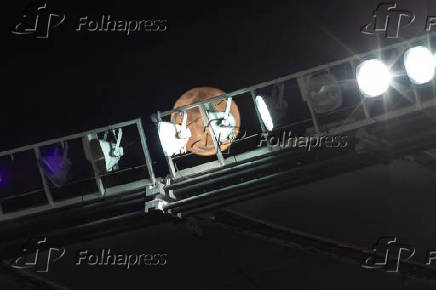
x=75 y=81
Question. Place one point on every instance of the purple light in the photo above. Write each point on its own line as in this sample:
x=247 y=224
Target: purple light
x=56 y=165
x=4 y=177
x=55 y=160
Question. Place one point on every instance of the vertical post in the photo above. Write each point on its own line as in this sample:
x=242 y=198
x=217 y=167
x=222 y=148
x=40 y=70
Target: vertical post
x=171 y=166
x=303 y=91
x=212 y=133
x=228 y=106
x=88 y=153
x=169 y=160
x=417 y=97
x=145 y=149
x=365 y=107
x=44 y=181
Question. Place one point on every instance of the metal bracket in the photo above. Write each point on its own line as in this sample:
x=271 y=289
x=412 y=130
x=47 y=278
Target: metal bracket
x=155 y=204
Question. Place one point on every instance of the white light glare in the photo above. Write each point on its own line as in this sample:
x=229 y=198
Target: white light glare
x=264 y=113
x=223 y=128
x=419 y=64
x=173 y=138
x=373 y=77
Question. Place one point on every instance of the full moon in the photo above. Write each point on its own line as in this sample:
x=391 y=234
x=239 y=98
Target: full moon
x=201 y=142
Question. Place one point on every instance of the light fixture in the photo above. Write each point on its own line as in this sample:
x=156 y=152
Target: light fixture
x=324 y=93
x=373 y=77
x=107 y=154
x=420 y=64
x=223 y=123
x=223 y=126
x=56 y=165
x=264 y=113
x=173 y=137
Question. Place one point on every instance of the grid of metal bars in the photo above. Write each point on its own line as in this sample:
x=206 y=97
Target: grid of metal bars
x=301 y=77
x=84 y=136
x=302 y=80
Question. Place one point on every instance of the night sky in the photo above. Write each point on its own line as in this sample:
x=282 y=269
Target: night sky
x=75 y=81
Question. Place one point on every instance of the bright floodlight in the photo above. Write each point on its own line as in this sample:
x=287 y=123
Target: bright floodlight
x=106 y=154
x=173 y=138
x=264 y=113
x=373 y=77
x=420 y=64
x=223 y=126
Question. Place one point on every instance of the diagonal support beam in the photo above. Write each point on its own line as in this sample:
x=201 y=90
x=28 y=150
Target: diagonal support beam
x=311 y=243
x=27 y=279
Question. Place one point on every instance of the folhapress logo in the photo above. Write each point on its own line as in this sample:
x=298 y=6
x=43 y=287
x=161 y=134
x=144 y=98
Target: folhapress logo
x=32 y=258
x=387 y=255
x=388 y=20
x=38 y=20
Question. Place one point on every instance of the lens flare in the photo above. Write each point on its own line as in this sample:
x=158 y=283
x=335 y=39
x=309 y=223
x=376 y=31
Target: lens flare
x=373 y=77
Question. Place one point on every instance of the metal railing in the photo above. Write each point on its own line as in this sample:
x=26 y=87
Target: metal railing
x=302 y=79
x=149 y=179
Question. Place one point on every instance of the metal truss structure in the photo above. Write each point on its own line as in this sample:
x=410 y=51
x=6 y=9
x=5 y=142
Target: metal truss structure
x=378 y=131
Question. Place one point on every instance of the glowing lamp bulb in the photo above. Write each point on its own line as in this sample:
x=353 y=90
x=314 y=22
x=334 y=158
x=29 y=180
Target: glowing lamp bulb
x=373 y=77
x=420 y=64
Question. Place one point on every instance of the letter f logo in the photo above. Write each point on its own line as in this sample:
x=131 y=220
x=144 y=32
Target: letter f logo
x=33 y=258
x=387 y=254
x=389 y=20
x=38 y=20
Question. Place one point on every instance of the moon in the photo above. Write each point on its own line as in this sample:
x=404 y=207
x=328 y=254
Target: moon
x=201 y=142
